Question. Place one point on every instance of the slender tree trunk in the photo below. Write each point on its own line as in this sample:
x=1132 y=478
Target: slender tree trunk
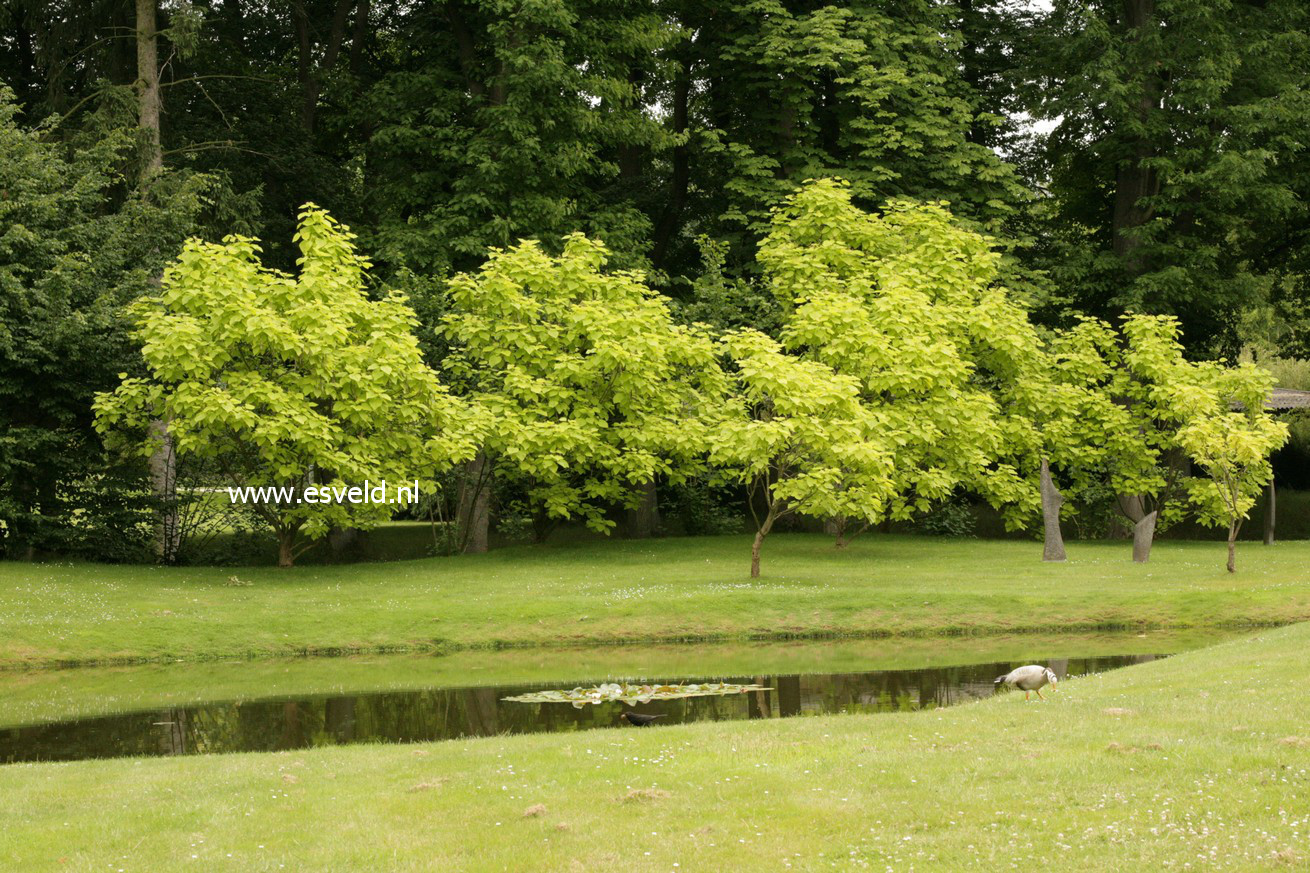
x=645 y=518
x=1143 y=535
x=1232 y=546
x=163 y=482
x=759 y=538
x=763 y=709
x=293 y=733
x=1269 y=514
x=680 y=177
x=163 y=461
x=474 y=513
x=359 y=35
x=755 y=553
x=970 y=55
x=1052 y=500
x=27 y=80
x=173 y=742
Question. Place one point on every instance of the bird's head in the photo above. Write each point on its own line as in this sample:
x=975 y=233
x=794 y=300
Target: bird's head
x=1052 y=678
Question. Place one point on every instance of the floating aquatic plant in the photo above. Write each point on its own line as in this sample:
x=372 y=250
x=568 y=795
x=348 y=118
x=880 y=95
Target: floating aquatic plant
x=626 y=693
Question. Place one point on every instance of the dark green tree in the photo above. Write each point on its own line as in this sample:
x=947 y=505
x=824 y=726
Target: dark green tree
x=496 y=122
x=780 y=92
x=76 y=242
x=1174 y=166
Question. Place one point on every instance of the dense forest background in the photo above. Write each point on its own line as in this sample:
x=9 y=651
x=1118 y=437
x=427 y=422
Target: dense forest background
x=1145 y=155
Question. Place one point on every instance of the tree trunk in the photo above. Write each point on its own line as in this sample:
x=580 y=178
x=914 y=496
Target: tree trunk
x=763 y=709
x=163 y=483
x=645 y=518
x=1143 y=534
x=147 y=89
x=163 y=461
x=1232 y=546
x=1052 y=500
x=466 y=50
x=293 y=727
x=173 y=742
x=310 y=74
x=474 y=513
x=835 y=527
x=755 y=553
x=542 y=525
x=286 y=540
x=1135 y=181
x=1269 y=515
x=359 y=35
x=759 y=538
x=1134 y=506
x=680 y=176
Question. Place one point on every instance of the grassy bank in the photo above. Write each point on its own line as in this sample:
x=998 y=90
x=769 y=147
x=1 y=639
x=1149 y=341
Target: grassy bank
x=29 y=697
x=1200 y=760
x=625 y=591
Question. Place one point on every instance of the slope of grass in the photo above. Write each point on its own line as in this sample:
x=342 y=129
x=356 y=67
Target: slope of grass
x=1198 y=761
x=625 y=591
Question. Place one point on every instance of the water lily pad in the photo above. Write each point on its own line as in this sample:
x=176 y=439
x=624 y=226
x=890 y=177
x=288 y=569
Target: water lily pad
x=626 y=693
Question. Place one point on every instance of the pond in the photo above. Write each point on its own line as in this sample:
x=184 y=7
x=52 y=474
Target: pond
x=203 y=709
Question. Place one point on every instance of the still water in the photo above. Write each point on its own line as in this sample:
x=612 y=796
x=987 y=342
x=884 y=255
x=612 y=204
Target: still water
x=441 y=713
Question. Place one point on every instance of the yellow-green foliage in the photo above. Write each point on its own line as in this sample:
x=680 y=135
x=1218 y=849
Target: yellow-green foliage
x=800 y=431
x=594 y=389
x=287 y=381
x=906 y=303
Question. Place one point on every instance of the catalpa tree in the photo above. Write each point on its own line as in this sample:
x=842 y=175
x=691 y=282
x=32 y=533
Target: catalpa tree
x=595 y=389
x=798 y=437
x=1216 y=415
x=1125 y=410
x=288 y=382
x=1083 y=435
x=906 y=305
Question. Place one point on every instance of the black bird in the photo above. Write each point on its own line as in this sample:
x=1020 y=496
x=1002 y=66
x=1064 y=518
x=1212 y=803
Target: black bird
x=637 y=719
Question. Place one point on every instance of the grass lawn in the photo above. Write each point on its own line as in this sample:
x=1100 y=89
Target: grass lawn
x=1201 y=761
x=624 y=591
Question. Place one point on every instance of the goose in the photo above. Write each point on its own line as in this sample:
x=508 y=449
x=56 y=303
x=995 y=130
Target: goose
x=1030 y=678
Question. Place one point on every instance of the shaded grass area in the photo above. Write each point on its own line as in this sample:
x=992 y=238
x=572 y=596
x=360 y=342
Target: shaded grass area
x=635 y=591
x=34 y=697
x=1292 y=522
x=1200 y=760
x=410 y=540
